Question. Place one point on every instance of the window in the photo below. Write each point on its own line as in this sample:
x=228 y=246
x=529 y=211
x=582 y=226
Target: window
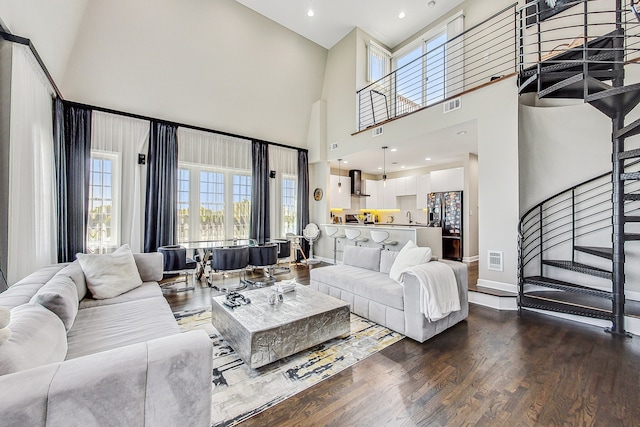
x=379 y=62
x=212 y=206
x=216 y=194
x=103 y=217
x=289 y=204
x=241 y=206
x=183 y=205
x=435 y=69
x=421 y=75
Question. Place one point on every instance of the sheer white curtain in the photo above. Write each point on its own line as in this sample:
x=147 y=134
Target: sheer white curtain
x=285 y=162
x=127 y=137
x=32 y=212
x=455 y=56
x=213 y=149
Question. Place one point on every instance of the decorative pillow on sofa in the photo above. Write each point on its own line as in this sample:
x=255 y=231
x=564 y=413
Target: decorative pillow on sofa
x=38 y=337
x=409 y=256
x=358 y=256
x=74 y=271
x=387 y=258
x=60 y=296
x=110 y=275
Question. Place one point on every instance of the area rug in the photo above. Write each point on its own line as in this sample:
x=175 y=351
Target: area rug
x=240 y=392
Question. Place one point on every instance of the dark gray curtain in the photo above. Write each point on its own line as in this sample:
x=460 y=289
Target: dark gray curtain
x=72 y=155
x=160 y=212
x=259 y=227
x=302 y=211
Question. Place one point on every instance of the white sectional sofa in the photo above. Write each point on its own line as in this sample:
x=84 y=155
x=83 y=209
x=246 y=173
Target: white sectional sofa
x=117 y=361
x=363 y=281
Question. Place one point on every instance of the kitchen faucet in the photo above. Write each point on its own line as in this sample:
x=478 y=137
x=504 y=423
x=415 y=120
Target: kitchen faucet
x=409 y=216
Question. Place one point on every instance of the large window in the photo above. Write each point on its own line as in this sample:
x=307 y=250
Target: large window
x=379 y=62
x=421 y=75
x=217 y=195
x=103 y=217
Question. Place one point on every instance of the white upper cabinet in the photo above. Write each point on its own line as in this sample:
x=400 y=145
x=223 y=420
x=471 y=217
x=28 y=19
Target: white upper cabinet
x=339 y=199
x=405 y=186
x=371 y=188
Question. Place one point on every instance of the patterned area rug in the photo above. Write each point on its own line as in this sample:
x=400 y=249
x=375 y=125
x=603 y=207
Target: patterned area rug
x=240 y=392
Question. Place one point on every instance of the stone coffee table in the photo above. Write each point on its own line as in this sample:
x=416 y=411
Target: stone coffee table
x=262 y=333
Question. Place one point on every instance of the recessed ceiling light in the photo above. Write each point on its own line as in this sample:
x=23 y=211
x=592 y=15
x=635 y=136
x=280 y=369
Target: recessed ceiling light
x=462 y=132
x=379 y=168
x=345 y=161
x=394 y=149
x=310 y=12
x=402 y=15
x=428 y=158
x=431 y=3
x=402 y=167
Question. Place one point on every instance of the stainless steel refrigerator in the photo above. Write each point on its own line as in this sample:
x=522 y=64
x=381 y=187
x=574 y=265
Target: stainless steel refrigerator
x=445 y=210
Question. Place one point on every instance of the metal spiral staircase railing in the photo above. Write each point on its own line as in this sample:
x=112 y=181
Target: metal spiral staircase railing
x=564 y=266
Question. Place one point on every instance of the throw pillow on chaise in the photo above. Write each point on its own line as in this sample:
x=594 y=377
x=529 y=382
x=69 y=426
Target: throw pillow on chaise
x=110 y=275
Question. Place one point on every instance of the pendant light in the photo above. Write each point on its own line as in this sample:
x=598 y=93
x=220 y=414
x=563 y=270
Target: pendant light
x=339 y=183
x=384 y=165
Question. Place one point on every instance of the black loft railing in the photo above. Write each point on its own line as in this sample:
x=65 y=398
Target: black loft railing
x=477 y=56
x=592 y=34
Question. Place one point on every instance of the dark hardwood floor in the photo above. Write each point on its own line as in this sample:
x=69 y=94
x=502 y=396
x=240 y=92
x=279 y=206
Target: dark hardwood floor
x=494 y=369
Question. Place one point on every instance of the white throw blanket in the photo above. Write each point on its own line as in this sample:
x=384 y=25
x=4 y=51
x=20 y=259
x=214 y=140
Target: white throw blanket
x=438 y=289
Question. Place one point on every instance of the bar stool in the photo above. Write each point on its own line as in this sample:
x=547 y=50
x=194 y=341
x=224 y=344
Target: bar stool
x=332 y=232
x=353 y=234
x=380 y=237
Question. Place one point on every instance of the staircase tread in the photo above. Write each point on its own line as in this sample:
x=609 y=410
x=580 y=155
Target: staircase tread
x=629 y=154
x=630 y=176
x=628 y=131
x=572 y=265
x=611 y=100
x=571 y=287
x=632 y=218
x=631 y=308
x=604 y=252
x=631 y=197
x=632 y=236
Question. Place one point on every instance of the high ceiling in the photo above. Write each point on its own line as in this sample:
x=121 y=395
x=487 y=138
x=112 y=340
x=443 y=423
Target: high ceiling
x=334 y=19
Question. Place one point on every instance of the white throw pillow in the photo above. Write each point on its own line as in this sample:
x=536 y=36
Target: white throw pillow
x=112 y=274
x=409 y=256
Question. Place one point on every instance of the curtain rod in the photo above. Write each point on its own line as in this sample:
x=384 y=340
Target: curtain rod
x=27 y=42
x=24 y=41
x=183 y=125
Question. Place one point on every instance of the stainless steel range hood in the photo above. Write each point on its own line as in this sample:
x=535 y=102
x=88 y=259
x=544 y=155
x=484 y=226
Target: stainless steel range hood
x=356 y=183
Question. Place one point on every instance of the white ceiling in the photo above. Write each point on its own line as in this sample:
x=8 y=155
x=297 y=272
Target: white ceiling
x=446 y=145
x=334 y=19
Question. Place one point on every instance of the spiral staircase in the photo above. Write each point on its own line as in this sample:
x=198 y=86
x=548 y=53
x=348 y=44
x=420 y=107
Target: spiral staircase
x=572 y=245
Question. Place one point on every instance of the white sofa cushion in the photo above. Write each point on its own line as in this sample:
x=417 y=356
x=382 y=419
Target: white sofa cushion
x=358 y=256
x=409 y=255
x=110 y=275
x=5 y=316
x=74 y=271
x=60 y=296
x=38 y=337
x=387 y=258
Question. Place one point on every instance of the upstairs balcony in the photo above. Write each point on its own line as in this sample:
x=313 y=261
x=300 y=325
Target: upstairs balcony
x=454 y=63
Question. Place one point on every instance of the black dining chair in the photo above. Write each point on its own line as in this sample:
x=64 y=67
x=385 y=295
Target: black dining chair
x=177 y=265
x=227 y=260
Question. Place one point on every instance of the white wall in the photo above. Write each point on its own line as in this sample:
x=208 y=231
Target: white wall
x=51 y=25
x=211 y=63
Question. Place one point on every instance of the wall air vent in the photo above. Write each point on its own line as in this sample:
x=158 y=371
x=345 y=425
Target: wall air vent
x=495 y=261
x=333 y=146
x=377 y=131
x=454 y=104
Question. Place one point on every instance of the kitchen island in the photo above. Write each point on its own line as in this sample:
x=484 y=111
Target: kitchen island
x=401 y=233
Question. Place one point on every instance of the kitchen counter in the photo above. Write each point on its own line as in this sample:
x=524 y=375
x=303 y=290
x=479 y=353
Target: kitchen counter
x=421 y=234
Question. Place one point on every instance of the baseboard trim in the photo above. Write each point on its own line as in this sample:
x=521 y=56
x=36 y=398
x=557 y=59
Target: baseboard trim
x=471 y=258
x=492 y=301
x=501 y=286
